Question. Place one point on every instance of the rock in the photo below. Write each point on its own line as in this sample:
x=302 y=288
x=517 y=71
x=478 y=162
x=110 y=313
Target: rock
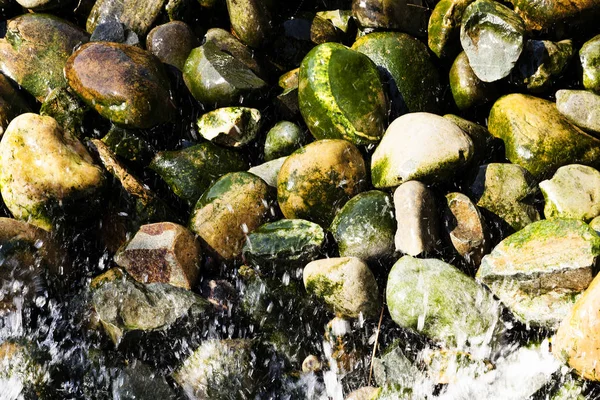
x=109 y=31
x=232 y=207
x=417 y=217
x=347 y=351
x=541 y=63
x=537 y=137
x=323 y=31
x=544 y=15
x=137 y=16
x=220 y=370
x=447 y=306
x=346 y=284
x=581 y=108
x=506 y=191
x=467 y=89
x=589 y=55
x=466 y=228
x=138 y=380
x=394 y=368
x=364 y=228
x=251 y=20
x=124 y=305
x=577 y=338
x=540 y=271
x=573 y=192
x=35 y=50
x=341 y=19
x=287 y=101
x=420 y=146
x=39 y=5
x=190 y=171
x=12 y=103
x=452 y=366
x=331 y=77
x=23 y=369
x=45 y=172
x=315 y=181
x=217 y=79
x=284 y=244
x=283 y=139
x=163 y=252
x=127 y=144
x=66 y=108
x=269 y=171
x=595 y=224
x=230 y=126
x=482 y=140
x=491 y=35
x=409 y=16
x=444 y=27
x=172 y=43
x=412 y=80
x=124 y=84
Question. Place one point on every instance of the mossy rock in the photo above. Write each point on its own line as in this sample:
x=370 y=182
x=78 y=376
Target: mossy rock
x=315 y=182
x=251 y=20
x=230 y=126
x=284 y=244
x=283 y=139
x=537 y=137
x=341 y=95
x=444 y=27
x=365 y=227
x=409 y=16
x=544 y=15
x=467 y=89
x=412 y=79
x=137 y=16
x=589 y=55
x=190 y=171
x=128 y=144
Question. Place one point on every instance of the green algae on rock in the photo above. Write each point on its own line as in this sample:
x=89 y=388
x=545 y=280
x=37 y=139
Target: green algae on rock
x=125 y=84
x=467 y=89
x=346 y=284
x=540 y=271
x=436 y=299
x=45 y=171
x=420 y=146
x=537 y=137
x=542 y=15
x=444 y=27
x=283 y=139
x=232 y=207
x=317 y=180
x=230 y=126
x=364 y=228
x=341 y=95
x=589 y=55
x=251 y=20
x=581 y=107
x=491 y=35
x=412 y=80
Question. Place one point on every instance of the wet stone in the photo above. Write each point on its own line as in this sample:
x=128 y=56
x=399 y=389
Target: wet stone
x=409 y=16
x=109 y=31
x=172 y=43
x=163 y=252
x=66 y=108
x=22 y=366
x=544 y=15
x=589 y=55
x=444 y=27
x=283 y=139
x=581 y=108
x=251 y=20
x=341 y=19
x=323 y=31
x=128 y=144
x=137 y=16
x=482 y=140
x=393 y=367
x=269 y=171
x=467 y=89
x=230 y=126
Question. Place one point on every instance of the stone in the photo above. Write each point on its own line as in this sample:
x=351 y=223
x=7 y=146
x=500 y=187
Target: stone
x=444 y=27
x=109 y=31
x=220 y=370
x=341 y=95
x=417 y=218
x=410 y=16
x=467 y=89
x=341 y=19
x=128 y=144
x=123 y=83
x=540 y=271
x=573 y=192
x=581 y=108
x=537 y=137
x=364 y=228
x=482 y=140
x=172 y=43
x=123 y=304
x=66 y=108
x=323 y=31
x=12 y=103
x=251 y=20
x=317 y=180
x=283 y=139
x=284 y=244
x=466 y=228
x=138 y=380
x=589 y=56
x=163 y=252
x=436 y=299
x=35 y=50
x=230 y=209
x=420 y=146
x=269 y=171
x=544 y=15
x=411 y=79
x=42 y=5
x=137 y=16
x=287 y=101
x=190 y=171
x=393 y=367
x=491 y=35
x=45 y=172
x=217 y=79
x=506 y=191
x=230 y=126
x=346 y=284
x=23 y=369
x=229 y=44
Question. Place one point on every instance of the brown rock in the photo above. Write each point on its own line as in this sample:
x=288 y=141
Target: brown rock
x=172 y=43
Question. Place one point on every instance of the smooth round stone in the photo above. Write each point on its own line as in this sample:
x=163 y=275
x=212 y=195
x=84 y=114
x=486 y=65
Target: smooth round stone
x=341 y=95
x=537 y=137
x=409 y=16
x=346 y=284
x=230 y=126
x=420 y=146
x=491 y=35
x=444 y=27
x=544 y=15
x=467 y=89
x=364 y=228
x=480 y=136
x=251 y=20
x=573 y=192
x=124 y=84
x=589 y=55
x=172 y=43
x=317 y=180
x=283 y=139
x=582 y=108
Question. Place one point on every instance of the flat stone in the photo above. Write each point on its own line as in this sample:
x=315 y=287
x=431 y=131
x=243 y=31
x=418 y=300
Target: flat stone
x=582 y=108
x=229 y=44
x=269 y=171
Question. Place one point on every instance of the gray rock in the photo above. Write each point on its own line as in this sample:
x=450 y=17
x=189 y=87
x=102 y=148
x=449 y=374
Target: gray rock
x=589 y=55
x=269 y=171
x=581 y=107
x=109 y=31
x=394 y=368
